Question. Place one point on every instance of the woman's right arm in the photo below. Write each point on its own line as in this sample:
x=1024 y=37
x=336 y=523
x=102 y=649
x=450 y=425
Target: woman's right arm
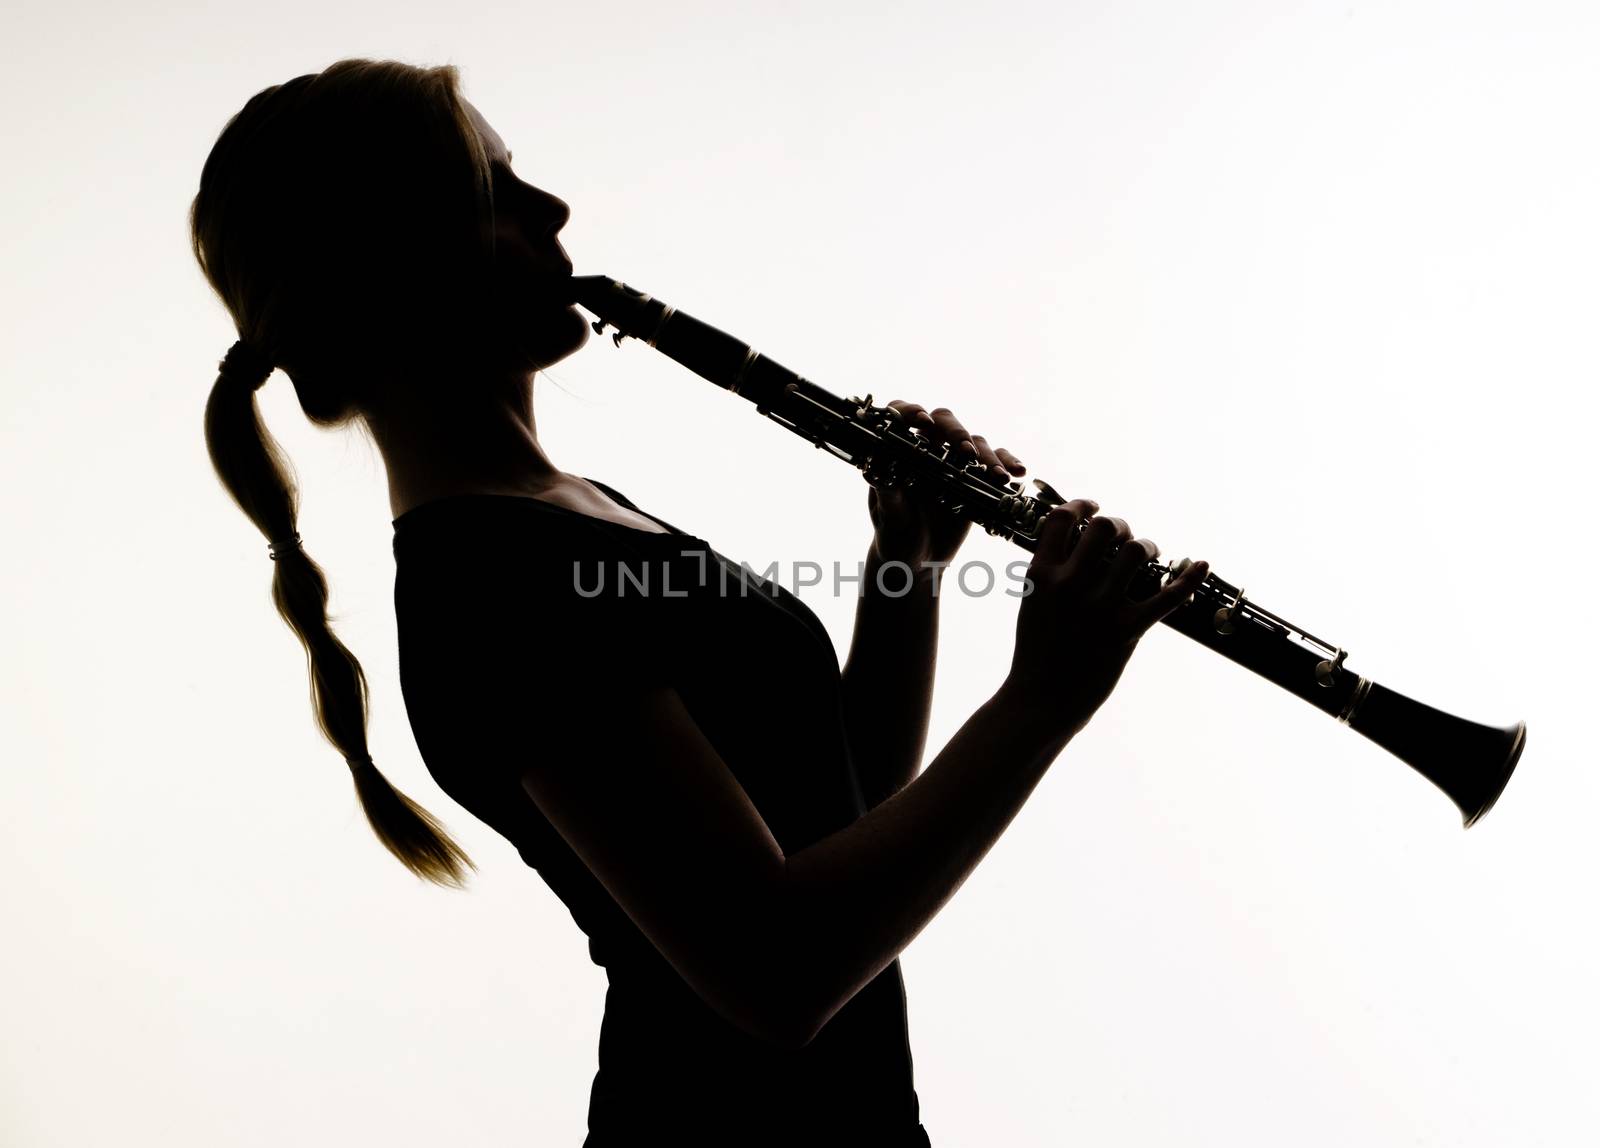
x=778 y=944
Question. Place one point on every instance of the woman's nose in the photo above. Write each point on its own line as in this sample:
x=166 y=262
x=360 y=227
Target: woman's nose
x=559 y=213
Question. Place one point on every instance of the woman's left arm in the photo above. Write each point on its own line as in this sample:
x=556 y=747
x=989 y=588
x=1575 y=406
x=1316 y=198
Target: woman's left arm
x=888 y=676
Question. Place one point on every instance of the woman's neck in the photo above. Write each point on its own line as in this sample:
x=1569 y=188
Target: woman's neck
x=434 y=449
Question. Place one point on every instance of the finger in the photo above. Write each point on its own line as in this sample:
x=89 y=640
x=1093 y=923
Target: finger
x=948 y=429
x=1131 y=557
x=990 y=460
x=1058 y=533
x=1010 y=461
x=911 y=414
x=1174 y=594
x=915 y=414
x=1096 y=541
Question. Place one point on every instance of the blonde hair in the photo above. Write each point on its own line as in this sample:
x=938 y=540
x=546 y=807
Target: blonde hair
x=345 y=218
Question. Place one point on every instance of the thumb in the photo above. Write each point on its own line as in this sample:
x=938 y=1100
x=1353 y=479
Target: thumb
x=890 y=498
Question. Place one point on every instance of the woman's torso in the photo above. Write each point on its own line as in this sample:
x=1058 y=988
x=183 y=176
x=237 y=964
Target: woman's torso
x=494 y=594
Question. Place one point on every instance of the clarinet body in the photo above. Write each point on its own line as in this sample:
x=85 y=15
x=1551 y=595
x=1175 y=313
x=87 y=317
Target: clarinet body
x=1469 y=762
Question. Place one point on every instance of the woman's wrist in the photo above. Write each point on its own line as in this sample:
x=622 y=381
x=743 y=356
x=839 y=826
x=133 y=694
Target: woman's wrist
x=901 y=572
x=1039 y=710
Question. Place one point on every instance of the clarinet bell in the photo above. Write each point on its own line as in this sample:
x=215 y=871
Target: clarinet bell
x=1469 y=762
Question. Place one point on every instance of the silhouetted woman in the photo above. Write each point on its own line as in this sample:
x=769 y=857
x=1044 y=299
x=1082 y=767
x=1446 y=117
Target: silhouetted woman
x=739 y=828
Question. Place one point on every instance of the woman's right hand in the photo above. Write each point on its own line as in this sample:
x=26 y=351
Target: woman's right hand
x=1077 y=627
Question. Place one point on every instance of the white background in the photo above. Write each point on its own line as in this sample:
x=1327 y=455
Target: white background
x=1305 y=289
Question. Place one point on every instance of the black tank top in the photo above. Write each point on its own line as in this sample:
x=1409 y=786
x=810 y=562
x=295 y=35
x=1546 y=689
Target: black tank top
x=501 y=603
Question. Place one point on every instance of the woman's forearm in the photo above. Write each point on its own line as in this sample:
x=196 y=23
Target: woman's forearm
x=888 y=677
x=849 y=904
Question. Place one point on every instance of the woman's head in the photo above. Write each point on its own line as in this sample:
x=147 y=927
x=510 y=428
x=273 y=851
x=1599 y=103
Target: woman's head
x=364 y=229
x=362 y=226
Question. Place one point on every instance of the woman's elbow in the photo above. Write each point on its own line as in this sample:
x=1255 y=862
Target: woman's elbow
x=786 y=1027
x=780 y=1006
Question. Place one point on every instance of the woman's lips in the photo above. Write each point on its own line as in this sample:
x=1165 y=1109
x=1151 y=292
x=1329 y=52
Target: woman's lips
x=554 y=290
x=557 y=278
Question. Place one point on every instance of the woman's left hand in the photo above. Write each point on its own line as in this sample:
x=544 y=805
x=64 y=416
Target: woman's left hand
x=908 y=526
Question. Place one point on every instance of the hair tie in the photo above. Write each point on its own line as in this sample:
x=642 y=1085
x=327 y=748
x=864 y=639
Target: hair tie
x=246 y=365
x=358 y=760
x=286 y=546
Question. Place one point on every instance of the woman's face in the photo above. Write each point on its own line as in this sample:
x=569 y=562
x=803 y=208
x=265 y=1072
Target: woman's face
x=532 y=268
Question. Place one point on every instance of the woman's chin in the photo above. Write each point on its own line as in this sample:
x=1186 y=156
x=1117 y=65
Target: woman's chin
x=558 y=331
x=570 y=326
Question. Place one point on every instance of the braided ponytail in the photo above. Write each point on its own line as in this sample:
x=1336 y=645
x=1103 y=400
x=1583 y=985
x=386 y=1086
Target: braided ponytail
x=254 y=469
x=294 y=226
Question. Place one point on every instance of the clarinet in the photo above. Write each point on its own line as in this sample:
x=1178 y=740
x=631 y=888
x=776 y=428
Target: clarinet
x=1470 y=763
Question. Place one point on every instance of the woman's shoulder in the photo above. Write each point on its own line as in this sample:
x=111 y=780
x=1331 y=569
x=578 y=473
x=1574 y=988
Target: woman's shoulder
x=486 y=546
x=493 y=518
